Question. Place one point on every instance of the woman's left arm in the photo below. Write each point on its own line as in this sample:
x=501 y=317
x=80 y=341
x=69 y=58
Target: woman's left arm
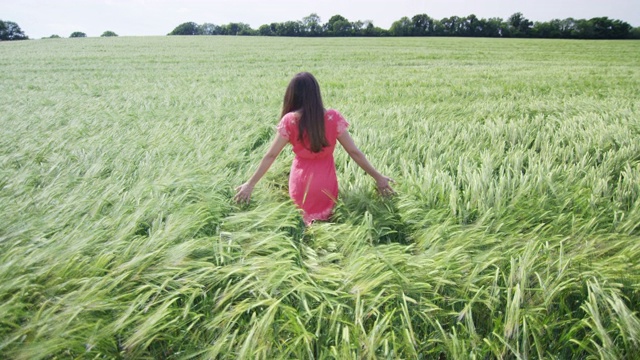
x=382 y=182
x=244 y=191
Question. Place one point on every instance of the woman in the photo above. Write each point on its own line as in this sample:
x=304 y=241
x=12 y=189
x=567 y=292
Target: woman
x=312 y=132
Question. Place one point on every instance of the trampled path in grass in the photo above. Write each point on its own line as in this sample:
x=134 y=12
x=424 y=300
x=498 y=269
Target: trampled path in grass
x=514 y=234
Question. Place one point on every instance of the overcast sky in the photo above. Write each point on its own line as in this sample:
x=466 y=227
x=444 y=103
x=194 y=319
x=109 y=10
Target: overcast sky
x=40 y=18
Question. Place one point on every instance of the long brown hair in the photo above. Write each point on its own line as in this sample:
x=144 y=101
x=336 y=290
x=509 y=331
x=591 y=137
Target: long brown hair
x=303 y=95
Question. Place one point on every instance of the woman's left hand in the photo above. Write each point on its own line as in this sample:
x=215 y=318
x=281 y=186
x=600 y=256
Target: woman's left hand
x=384 y=186
x=243 y=194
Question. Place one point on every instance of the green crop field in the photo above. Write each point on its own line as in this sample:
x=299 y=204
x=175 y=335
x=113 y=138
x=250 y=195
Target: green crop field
x=514 y=234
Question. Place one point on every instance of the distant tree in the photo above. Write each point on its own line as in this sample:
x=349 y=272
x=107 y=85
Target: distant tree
x=555 y=28
x=402 y=27
x=11 y=31
x=601 y=28
x=278 y=29
x=621 y=30
x=311 y=25
x=275 y=28
x=422 y=25
x=77 y=34
x=108 y=34
x=471 y=26
x=265 y=30
x=368 y=28
x=54 y=36
x=634 y=33
x=338 y=25
x=247 y=30
x=342 y=28
x=605 y=28
x=357 y=28
x=493 y=27
x=329 y=24
x=451 y=26
x=438 y=29
x=519 y=25
x=188 y=28
x=584 y=29
x=568 y=28
x=290 y=28
x=548 y=30
x=595 y=28
x=236 y=29
x=209 y=29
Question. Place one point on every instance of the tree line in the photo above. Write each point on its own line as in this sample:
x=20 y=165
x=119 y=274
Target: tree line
x=9 y=31
x=424 y=25
x=419 y=25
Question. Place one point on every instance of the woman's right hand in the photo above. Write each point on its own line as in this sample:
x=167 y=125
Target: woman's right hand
x=243 y=193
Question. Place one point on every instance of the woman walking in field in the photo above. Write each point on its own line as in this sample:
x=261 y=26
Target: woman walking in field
x=312 y=131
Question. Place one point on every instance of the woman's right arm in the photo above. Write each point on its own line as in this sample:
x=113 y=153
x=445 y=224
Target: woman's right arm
x=243 y=192
x=382 y=182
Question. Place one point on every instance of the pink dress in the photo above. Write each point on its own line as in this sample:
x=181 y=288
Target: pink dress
x=313 y=184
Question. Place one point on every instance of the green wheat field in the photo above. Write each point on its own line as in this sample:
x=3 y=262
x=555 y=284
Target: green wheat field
x=514 y=234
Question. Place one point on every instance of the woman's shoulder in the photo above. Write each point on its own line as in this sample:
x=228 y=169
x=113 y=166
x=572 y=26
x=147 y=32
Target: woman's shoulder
x=335 y=117
x=287 y=124
x=290 y=117
x=332 y=114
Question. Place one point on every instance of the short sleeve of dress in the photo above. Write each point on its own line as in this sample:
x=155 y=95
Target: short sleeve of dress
x=282 y=127
x=341 y=123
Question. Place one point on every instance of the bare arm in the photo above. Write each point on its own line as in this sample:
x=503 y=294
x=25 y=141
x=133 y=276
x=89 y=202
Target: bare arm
x=350 y=147
x=244 y=191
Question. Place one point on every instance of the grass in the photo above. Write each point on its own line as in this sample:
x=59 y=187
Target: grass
x=514 y=234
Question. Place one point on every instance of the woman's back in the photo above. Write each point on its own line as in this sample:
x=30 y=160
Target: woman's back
x=334 y=125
